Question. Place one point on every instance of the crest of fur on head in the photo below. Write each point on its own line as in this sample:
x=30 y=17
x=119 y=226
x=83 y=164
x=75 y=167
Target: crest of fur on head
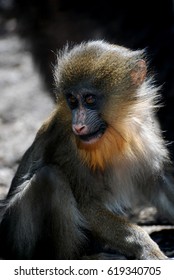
x=130 y=102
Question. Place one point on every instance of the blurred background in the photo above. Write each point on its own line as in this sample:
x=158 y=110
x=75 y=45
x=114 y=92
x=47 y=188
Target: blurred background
x=31 y=31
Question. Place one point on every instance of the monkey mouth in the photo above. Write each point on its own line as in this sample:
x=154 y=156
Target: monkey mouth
x=92 y=137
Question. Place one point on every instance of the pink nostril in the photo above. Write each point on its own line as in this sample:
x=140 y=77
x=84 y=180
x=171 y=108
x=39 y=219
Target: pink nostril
x=78 y=128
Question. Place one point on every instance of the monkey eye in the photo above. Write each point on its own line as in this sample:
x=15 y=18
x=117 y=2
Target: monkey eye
x=90 y=99
x=72 y=100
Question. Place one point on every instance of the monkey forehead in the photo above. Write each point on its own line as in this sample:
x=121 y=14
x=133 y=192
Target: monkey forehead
x=95 y=61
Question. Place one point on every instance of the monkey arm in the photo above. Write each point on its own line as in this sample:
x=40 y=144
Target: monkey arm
x=41 y=219
x=121 y=235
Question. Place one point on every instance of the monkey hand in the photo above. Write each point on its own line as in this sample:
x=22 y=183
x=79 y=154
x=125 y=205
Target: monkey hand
x=151 y=251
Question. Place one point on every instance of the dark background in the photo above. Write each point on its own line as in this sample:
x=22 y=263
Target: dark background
x=48 y=25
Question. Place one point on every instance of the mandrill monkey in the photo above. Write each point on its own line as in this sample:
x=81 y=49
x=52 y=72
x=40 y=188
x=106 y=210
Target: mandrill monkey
x=99 y=151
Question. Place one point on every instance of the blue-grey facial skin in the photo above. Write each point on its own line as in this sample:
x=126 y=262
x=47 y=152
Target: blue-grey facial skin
x=86 y=120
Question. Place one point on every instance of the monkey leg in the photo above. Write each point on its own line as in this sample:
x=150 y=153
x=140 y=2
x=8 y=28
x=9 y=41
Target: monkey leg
x=129 y=239
x=41 y=219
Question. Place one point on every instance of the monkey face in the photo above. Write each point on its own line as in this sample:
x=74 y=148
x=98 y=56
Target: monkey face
x=87 y=123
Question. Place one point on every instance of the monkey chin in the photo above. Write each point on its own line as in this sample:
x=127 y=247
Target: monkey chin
x=91 y=140
x=102 y=150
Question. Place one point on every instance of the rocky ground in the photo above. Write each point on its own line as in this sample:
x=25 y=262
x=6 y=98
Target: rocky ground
x=24 y=104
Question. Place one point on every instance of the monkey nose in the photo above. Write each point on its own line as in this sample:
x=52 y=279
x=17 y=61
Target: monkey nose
x=79 y=129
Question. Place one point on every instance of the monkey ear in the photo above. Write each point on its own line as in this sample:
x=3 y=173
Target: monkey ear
x=138 y=73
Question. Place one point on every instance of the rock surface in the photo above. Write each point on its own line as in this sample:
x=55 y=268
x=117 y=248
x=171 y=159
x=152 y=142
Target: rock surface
x=24 y=105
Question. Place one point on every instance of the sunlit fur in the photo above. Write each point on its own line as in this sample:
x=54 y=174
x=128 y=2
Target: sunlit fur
x=132 y=101
x=130 y=135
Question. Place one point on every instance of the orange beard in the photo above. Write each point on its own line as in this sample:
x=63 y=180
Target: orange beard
x=104 y=151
